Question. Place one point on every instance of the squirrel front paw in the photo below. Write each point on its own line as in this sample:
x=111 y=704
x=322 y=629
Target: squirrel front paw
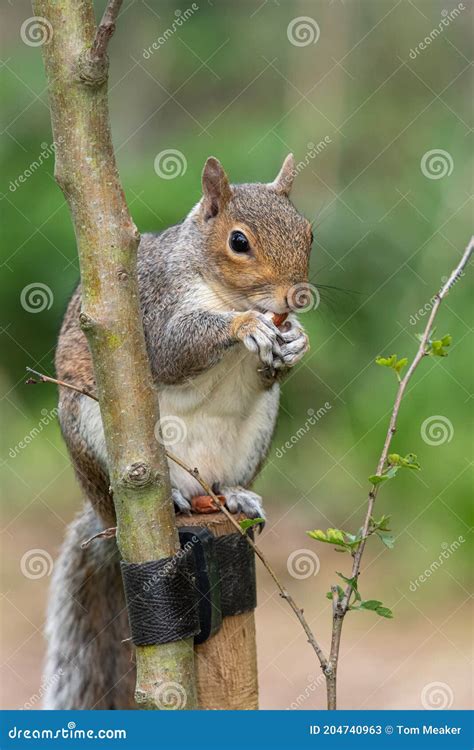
x=258 y=334
x=295 y=343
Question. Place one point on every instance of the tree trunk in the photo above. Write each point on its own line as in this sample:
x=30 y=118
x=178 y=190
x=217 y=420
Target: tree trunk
x=107 y=240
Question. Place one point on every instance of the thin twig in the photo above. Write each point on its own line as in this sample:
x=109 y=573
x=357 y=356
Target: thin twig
x=109 y=533
x=343 y=606
x=47 y=379
x=105 y=29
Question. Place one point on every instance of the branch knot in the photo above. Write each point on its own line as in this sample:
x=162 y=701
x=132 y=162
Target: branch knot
x=91 y=70
x=138 y=474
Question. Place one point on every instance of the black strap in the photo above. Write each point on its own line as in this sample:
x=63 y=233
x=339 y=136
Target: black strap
x=161 y=599
x=189 y=594
x=236 y=563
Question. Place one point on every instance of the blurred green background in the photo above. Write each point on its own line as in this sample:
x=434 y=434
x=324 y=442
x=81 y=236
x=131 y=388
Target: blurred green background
x=248 y=82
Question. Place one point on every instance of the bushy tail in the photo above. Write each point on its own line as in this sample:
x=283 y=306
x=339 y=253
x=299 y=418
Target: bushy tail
x=87 y=665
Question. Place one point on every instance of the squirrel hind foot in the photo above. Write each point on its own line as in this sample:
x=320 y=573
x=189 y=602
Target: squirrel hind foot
x=241 y=500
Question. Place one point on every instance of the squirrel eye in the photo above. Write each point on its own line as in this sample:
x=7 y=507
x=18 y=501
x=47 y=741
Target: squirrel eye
x=238 y=242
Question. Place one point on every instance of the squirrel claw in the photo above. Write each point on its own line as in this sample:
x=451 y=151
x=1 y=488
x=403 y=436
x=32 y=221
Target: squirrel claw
x=241 y=500
x=182 y=505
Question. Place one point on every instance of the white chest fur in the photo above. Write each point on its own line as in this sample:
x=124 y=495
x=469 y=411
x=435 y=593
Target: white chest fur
x=221 y=422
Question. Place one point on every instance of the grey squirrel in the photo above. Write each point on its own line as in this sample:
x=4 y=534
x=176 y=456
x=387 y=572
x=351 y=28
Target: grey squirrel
x=208 y=288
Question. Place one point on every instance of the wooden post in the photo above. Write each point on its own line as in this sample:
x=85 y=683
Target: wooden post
x=226 y=664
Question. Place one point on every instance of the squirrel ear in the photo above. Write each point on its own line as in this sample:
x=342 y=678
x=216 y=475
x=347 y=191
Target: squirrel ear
x=215 y=187
x=283 y=182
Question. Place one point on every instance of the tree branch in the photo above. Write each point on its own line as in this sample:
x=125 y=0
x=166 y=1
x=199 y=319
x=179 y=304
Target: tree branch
x=105 y=29
x=342 y=607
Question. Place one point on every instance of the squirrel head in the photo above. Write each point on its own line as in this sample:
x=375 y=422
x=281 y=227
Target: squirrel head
x=257 y=244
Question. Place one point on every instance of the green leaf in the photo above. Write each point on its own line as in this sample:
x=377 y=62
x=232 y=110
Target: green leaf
x=384 y=612
x=393 y=362
x=386 y=361
x=318 y=534
x=398 y=367
x=376 y=479
x=340 y=593
x=409 y=461
x=249 y=522
x=386 y=539
x=335 y=536
x=382 y=525
x=352 y=582
x=372 y=604
x=438 y=347
x=331 y=536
